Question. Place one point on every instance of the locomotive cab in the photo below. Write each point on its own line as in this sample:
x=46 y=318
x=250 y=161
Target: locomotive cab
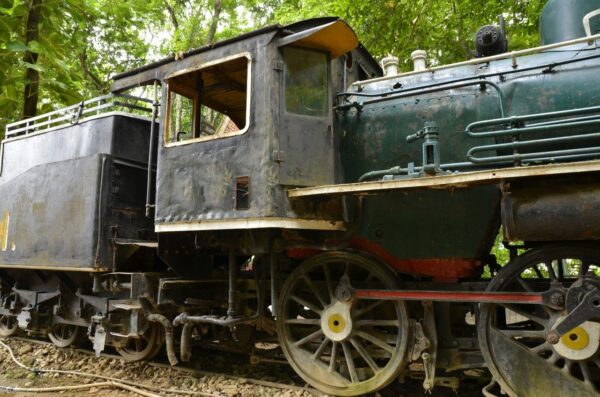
x=241 y=118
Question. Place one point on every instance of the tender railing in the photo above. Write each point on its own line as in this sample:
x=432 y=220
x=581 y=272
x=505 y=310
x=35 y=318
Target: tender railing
x=75 y=113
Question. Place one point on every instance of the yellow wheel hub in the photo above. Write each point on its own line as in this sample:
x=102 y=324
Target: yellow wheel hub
x=336 y=323
x=576 y=339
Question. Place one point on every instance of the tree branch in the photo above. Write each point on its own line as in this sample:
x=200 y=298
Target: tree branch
x=214 y=22
x=32 y=76
x=172 y=15
x=98 y=83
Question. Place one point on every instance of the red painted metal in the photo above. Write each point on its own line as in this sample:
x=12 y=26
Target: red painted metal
x=452 y=296
x=441 y=269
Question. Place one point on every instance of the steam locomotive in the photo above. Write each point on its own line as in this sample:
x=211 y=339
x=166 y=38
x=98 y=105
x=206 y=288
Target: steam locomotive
x=282 y=186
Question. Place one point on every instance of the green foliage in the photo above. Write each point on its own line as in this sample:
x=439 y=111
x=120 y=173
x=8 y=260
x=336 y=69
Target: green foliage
x=83 y=42
x=444 y=28
x=500 y=251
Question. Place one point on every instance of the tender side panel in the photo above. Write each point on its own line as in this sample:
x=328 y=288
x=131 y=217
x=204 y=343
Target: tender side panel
x=52 y=211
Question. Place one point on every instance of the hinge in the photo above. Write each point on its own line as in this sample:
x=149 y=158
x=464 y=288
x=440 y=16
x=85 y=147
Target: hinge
x=278 y=156
x=278 y=65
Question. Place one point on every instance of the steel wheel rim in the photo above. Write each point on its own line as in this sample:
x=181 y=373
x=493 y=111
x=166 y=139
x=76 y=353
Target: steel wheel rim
x=145 y=347
x=8 y=326
x=63 y=335
x=498 y=336
x=371 y=355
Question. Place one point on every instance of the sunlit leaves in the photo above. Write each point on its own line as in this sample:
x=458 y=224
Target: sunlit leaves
x=444 y=28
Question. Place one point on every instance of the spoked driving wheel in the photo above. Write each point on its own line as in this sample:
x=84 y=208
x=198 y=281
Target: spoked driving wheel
x=8 y=326
x=513 y=336
x=63 y=335
x=143 y=347
x=337 y=344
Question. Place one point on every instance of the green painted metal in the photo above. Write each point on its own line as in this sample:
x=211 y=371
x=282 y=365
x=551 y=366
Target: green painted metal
x=562 y=20
x=452 y=224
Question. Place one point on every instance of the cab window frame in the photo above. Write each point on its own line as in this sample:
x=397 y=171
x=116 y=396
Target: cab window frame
x=173 y=88
x=328 y=82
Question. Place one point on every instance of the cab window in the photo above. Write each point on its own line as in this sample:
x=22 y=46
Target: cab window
x=209 y=103
x=306 y=91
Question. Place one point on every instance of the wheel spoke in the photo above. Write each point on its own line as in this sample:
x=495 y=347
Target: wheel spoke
x=517 y=348
x=333 y=357
x=533 y=317
x=368 y=308
x=551 y=271
x=309 y=338
x=307 y=304
x=585 y=371
x=376 y=341
x=328 y=282
x=373 y=353
x=377 y=323
x=303 y=321
x=544 y=347
x=560 y=267
x=317 y=354
x=369 y=278
x=364 y=354
x=522 y=333
x=350 y=363
x=314 y=290
x=553 y=358
x=525 y=284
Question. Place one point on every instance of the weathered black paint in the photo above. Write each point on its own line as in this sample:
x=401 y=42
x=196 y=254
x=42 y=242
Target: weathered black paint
x=69 y=192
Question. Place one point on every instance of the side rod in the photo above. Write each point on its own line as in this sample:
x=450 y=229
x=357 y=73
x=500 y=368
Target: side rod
x=452 y=296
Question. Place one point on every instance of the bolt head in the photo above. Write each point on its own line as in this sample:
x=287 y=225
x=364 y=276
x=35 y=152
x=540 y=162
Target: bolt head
x=553 y=338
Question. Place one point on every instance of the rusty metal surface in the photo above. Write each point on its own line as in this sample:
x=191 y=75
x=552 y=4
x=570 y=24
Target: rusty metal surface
x=196 y=181
x=66 y=194
x=552 y=209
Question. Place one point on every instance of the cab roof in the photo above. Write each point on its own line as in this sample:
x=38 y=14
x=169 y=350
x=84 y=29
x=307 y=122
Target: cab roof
x=330 y=34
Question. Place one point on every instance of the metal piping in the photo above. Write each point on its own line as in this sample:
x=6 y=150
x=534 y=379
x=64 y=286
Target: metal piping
x=162 y=320
x=548 y=66
x=429 y=91
x=231 y=310
x=594 y=150
x=229 y=320
x=155 y=106
x=274 y=283
x=513 y=55
x=581 y=122
x=186 y=342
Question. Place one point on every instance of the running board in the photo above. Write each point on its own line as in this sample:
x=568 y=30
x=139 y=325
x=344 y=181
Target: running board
x=451 y=181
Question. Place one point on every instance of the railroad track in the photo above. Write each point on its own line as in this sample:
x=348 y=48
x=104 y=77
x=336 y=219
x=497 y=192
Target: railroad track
x=244 y=382
x=140 y=388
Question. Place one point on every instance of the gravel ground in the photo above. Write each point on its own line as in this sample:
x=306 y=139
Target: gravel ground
x=207 y=378
x=48 y=357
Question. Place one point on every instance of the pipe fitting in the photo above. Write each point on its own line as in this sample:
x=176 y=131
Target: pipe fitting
x=419 y=60
x=180 y=319
x=168 y=327
x=390 y=65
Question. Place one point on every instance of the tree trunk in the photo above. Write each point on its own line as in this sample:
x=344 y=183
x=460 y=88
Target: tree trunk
x=31 y=75
x=214 y=22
